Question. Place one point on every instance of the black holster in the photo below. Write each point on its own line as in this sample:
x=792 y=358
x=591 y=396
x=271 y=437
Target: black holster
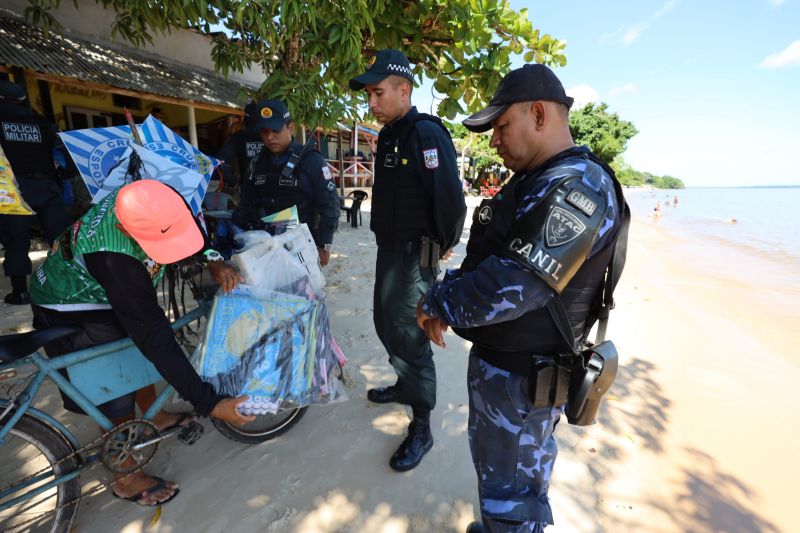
x=429 y=253
x=590 y=382
x=548 y=384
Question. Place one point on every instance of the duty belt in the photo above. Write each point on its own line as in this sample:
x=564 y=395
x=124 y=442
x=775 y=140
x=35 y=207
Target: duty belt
x=408 y=247
x=37 y=175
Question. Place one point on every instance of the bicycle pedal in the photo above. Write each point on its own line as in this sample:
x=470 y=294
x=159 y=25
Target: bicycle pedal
x=191 y=433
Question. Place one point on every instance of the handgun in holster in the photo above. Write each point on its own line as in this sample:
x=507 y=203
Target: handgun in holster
x=429 y=253
x=590 y=382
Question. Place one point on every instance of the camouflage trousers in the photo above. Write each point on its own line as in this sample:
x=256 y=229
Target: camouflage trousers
x=512 y=448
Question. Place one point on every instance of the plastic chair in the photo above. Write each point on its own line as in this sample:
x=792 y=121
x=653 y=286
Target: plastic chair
x=353 y=211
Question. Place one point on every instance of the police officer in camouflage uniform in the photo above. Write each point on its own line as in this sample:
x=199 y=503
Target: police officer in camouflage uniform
x=546 y=237
x=285 y=174
x=417 y=215
x=28 y=141
x=241 y=148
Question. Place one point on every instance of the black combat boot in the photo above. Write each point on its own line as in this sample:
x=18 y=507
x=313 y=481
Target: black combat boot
x=416 y=444
x=19 y=292
x=386 y=394
x=476 y=527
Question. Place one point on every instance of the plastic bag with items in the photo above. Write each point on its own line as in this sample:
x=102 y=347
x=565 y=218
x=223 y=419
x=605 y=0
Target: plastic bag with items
x=270 y=337
x=11 y=201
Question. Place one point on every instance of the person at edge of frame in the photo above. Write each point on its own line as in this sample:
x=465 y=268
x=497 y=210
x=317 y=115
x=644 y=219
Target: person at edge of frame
x=29 y=142
x=240 y=149
x=101 y=276
x=287 y=174
x=548 y=235
x=417 y=216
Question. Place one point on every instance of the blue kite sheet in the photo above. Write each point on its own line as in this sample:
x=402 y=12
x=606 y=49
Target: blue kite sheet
x=98 y=151
x=276 y=348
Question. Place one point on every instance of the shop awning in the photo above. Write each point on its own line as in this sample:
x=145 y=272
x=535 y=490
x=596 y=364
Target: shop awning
x=66 y=58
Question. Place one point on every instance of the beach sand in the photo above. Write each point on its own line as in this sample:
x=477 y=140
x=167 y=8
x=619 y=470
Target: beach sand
x=699 y=432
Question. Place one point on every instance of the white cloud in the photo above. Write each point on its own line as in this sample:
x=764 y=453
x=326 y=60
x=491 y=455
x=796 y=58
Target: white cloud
x=777 y=3
x=635 y=31
x=583 y=94
x=628 y=88
x=787 y=57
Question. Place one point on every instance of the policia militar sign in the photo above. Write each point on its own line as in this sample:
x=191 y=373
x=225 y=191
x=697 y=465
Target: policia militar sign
x=583 y=375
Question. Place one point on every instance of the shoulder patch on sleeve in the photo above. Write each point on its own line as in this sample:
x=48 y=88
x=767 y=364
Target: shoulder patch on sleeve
x=431 y=157
x=326 y=172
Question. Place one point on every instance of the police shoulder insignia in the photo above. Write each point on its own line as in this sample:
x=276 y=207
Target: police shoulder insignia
x=431 y=157
x=562 y=227
x=485 y=214
x=331 y=186
x=326 y=172
x=582 y=202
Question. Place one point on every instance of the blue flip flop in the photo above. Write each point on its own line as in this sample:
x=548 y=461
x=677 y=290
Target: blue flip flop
x=160 y=484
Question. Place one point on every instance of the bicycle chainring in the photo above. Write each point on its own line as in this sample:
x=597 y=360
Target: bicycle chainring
x=118 y=454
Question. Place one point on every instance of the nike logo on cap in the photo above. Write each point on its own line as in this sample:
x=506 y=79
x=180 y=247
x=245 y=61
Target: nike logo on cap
x=166 y=229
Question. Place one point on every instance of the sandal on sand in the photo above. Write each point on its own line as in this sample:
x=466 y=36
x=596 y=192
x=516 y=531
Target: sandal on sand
x=136 y=498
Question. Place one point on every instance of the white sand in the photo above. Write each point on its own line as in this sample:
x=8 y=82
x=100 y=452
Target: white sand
x=699 y=434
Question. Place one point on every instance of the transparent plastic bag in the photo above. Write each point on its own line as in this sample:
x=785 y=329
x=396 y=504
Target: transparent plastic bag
x=274 y=346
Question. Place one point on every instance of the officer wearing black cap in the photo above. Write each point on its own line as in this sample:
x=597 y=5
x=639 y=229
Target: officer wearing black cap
x=537 y=257
x=286 y=174
x=28 y=141
x=417 y=216
x=241 y=148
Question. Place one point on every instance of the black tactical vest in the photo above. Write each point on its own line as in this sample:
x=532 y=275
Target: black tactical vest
x=275 y=193
x=27 y=141
x=402 y=210
x=533 y=333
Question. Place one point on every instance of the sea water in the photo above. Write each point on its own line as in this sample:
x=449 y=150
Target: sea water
x=759 y=221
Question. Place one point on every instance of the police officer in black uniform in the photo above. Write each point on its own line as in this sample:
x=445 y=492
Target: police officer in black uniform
x=537 y=256
x=417 y=216
x=28 y=141
x=286 y=174
x=241 y=148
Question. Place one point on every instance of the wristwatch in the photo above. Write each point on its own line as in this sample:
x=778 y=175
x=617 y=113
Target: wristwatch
x=327 y=247
x=213 y=256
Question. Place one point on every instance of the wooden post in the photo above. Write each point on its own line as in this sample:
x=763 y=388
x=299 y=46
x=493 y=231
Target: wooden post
x=192 y=126
x=341 y=157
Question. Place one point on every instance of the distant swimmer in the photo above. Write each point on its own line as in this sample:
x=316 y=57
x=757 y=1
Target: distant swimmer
x=731 y=221
x=657 y=211
x=675 y=200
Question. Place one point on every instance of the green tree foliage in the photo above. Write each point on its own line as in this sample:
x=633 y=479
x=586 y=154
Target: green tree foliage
x=600 y=130
x=476 y=146
x=629 y=177
x=309 y=50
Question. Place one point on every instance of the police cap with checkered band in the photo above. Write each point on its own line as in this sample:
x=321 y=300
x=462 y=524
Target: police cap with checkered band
x=384 y=63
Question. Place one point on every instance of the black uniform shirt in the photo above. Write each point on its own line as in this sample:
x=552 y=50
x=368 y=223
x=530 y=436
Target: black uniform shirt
x=429 y=151
x=28 y=140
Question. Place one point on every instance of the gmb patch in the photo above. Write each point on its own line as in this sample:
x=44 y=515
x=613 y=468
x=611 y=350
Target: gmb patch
x=431 y=158
x=326 y=173
x=562 y=227
x=582 y=202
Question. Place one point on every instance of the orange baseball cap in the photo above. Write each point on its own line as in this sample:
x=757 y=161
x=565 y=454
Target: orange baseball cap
x=159 y=220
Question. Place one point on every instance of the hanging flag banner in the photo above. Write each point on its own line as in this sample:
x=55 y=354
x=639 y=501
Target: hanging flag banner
x=138 y=162
x=96 y=151
x=166 y=143
x=99 y=152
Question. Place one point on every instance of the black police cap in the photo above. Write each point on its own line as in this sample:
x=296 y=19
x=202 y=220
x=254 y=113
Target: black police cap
x=525 y=84
x=271 y=114
x=386 y=62
x=12 y=93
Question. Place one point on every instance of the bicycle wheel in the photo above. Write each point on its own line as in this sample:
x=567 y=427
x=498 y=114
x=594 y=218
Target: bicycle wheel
x=263 y=428
x=34 y=447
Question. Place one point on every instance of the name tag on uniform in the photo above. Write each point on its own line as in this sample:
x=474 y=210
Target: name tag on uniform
x=391 y=160
x=260 y=179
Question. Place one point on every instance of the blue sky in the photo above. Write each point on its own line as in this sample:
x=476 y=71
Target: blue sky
x=712 y=86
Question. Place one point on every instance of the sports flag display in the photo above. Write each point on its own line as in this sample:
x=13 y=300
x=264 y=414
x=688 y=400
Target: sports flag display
x=95 y=152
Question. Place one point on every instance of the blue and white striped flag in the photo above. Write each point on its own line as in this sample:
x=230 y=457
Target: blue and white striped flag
x=166 y=143
x=96 y=151
x=153 y=166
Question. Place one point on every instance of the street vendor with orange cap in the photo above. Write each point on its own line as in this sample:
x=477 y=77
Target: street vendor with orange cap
x=101 y=275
